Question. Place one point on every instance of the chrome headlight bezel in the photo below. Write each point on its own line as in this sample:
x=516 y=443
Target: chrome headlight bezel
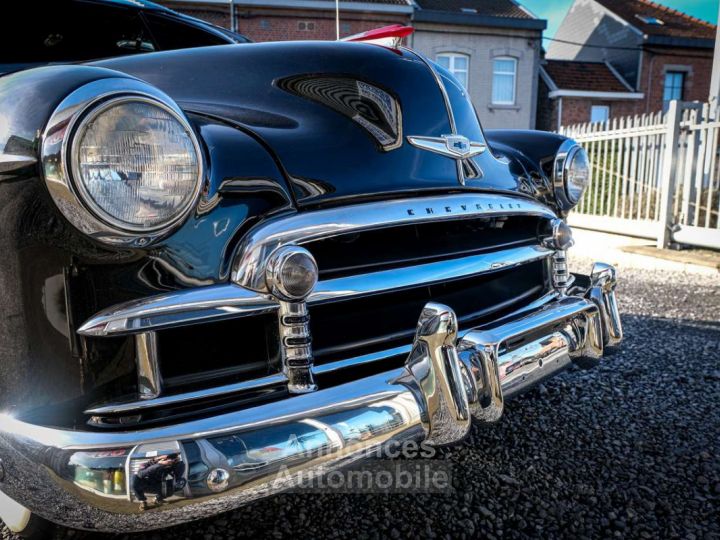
x=561 y=167
x=279 y=261
x=59 y=160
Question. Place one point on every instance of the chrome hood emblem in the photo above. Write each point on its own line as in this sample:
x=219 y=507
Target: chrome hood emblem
x=452 y=146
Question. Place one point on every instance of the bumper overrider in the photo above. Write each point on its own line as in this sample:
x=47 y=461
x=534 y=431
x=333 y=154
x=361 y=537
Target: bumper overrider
x=450 y=378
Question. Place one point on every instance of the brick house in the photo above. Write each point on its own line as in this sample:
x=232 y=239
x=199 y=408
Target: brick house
x=659 y=52
x=492 y=47
x=284 y=20
x=574 y=92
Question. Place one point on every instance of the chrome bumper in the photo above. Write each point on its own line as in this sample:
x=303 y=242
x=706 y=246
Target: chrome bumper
x=86 y=479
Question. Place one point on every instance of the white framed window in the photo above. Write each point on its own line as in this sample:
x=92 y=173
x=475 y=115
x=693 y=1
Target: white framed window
x=599 y=113
x=457 y=64
x=504 y=80
x=674 y=84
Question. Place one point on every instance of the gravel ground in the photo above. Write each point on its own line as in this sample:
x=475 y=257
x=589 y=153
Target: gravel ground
x=629 y=449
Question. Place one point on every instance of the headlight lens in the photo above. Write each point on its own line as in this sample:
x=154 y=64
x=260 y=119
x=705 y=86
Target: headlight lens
x=577 y=175
x=136 y=164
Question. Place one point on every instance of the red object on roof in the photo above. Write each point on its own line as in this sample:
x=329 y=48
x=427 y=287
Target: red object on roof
x=394 y=31
x=586 y=76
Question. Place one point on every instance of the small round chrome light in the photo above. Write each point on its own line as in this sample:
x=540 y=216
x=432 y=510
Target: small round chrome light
x=571 y=174
x=560 y=236
x=291 y=273
x=218 y=480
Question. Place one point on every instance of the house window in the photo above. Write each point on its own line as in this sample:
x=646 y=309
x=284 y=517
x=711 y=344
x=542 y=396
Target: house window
x=674 y=82
x=503 y=85
x=306 y=26
x=599 y=113
x=457 y=64
x=648 y=19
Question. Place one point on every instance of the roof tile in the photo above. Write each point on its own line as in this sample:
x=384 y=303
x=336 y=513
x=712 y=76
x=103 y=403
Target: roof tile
x=588 y=76
x=675 y=23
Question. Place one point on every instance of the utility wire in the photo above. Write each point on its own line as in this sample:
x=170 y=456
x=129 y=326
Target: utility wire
x=633 y=49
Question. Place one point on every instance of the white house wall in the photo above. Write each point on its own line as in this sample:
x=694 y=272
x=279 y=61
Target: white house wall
x=483 y=45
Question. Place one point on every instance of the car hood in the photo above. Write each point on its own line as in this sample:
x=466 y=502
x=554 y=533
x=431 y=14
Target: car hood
x=336 y=116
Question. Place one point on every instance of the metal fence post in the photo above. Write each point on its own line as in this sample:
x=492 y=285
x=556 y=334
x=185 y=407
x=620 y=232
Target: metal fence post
x=669 y=174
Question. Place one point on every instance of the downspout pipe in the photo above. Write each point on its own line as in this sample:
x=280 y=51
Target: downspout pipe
x=559 y=118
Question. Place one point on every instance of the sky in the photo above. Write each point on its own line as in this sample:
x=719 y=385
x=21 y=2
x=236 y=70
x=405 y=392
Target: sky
x=554 y=10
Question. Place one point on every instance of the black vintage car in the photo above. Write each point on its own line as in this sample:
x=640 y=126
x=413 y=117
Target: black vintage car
x=227 y=261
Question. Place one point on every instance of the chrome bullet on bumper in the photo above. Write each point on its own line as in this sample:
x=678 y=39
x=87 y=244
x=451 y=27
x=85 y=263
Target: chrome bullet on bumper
x=449 y=379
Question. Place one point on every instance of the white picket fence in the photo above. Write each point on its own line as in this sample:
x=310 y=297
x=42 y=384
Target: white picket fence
x=654 y=176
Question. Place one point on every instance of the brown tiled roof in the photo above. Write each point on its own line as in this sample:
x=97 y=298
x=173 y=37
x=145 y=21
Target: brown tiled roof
x=488 y=8
x=589 y=76
x=676 y=23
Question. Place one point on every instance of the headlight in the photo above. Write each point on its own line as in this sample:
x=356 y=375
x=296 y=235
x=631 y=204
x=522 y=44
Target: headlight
x=135 y=163
x=571 y=174
x=577 y=174
x=121 y=162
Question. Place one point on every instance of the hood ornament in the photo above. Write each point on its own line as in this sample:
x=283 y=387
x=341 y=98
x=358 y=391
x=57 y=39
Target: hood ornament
x=456 y=147
x=452 y=146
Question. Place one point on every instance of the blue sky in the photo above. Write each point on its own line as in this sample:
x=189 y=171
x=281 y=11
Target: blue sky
x=554 y=10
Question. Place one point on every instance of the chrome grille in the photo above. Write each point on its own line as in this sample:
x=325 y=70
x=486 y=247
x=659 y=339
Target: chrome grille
x=451 y=260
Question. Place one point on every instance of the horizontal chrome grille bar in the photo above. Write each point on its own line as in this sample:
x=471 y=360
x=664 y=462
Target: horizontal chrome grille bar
x=398 y=279
x=266 y=237
x=361 y=360
x=202 y=304
x=220 y=302
x=164 y=401
x=135 y=407
x=277 y=379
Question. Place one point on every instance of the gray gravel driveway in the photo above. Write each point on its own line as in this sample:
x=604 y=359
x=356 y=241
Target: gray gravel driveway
x=630 y=449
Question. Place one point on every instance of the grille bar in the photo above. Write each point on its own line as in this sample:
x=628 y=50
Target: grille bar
x=219 y=302
x=137 y=406
x=301 y=228
x=187 y=306
x=424 y=274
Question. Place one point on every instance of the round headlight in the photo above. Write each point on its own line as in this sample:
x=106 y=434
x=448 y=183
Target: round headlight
x=571 y=174
x=136 y=164
x=577 y=174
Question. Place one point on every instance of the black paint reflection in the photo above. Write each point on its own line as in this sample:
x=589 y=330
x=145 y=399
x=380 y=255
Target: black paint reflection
x=374 y=109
